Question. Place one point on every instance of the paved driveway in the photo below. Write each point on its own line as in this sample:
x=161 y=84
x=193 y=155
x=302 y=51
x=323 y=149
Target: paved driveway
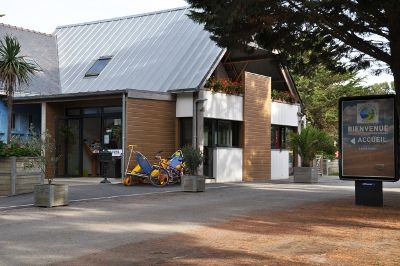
x=87 y=189
x=37 y=236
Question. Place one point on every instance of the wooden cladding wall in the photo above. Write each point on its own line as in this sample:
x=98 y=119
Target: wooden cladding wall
x=53 y=111
x=257 y=128
x=151 y=127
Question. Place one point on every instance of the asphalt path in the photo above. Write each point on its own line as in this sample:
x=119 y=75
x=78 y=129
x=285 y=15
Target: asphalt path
x=120 y=215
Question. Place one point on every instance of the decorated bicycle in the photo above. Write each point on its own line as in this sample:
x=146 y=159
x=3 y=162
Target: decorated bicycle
x=164 y=172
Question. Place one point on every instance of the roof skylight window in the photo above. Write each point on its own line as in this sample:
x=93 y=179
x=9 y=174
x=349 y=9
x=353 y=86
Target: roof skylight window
x=98 y=66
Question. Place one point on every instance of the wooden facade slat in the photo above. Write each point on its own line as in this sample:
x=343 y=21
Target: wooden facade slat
x=150 y=125
x=257 y=128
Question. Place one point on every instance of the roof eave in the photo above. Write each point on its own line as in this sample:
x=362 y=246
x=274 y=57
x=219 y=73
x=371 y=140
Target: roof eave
x=291 y=85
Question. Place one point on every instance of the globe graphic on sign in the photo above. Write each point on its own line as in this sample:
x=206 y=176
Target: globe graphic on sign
x=367 y=113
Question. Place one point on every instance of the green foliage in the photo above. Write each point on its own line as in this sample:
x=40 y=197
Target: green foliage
x=192 y=158
x=329 y=30
x=2 y=149
x=225 y=86
x=320 y=92
x=283 y=96
x=310 y=142
x=18 y=147
x=382 y=88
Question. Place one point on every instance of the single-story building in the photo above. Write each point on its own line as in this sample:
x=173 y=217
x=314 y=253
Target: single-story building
x=141 y=80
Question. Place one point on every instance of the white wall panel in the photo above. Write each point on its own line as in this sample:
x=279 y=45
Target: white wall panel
x=279 y=164
x=228 y=164
x=284 y=114
x=223 y=106
x=184 y=105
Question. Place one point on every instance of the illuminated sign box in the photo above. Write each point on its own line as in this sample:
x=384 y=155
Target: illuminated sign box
x=368 y=138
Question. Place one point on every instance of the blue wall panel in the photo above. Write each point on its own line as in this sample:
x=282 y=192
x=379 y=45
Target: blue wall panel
x=3 y=121
x=23 y=115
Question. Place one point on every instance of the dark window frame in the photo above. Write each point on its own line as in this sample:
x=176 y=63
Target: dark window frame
x=13 y=118
x=279 y=136
x=214 y=126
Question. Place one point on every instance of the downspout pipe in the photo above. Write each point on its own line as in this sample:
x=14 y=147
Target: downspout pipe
x=194 y=122
x=124 y=127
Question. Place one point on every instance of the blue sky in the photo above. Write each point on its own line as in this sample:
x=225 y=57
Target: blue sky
x=46 y=15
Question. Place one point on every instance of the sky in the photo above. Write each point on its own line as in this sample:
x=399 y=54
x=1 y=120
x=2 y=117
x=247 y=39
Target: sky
x=46 y=15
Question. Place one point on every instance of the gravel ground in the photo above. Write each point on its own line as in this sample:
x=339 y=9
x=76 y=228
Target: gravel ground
x=326 y=233
x=275 y=223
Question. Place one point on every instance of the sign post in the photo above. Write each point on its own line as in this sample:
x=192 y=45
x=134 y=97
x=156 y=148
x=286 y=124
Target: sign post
x=368 y=137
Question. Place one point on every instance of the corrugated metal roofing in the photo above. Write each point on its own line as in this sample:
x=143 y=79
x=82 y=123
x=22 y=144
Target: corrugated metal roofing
x=158 y=51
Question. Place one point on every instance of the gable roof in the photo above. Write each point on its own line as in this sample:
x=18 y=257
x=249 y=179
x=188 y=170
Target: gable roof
x=160 y=52
x=42 y=48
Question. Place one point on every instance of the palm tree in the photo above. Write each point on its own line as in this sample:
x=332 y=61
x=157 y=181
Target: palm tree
x=310 y=142
x=14 y=71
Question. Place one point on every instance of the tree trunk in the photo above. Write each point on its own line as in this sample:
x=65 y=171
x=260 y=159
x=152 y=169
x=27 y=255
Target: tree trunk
x=10 y=111
x=396 y=76
x=394 y=38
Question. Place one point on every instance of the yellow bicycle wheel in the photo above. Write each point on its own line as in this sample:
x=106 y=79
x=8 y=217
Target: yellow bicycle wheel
x=128 y=181
x=160 y=178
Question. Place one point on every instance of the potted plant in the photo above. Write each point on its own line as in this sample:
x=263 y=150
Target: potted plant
x=192 y=158
x=47 y=195
x=310 y=142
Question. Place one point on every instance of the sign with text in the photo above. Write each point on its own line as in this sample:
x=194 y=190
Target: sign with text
x=368 y=137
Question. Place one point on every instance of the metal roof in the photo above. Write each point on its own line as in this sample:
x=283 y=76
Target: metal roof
x=41 y=48
x=160 y=51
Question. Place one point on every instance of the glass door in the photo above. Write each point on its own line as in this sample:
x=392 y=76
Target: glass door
x=112 y=140
x=73 y=147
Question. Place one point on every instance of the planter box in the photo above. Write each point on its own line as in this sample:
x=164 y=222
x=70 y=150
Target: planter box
x=16 y=178
x=305 y=175
x=193 y=184
x=51 y=195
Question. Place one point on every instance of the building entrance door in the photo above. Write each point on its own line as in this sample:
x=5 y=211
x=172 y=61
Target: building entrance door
x=68 y=135
x=73 y=147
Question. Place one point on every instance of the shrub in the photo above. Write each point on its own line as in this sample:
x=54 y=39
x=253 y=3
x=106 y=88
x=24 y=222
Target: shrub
x=44 y=148
x=193 y=158
x=18 y=147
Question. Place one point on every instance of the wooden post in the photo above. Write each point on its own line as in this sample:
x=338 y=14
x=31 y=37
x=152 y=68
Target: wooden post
x=13 y=171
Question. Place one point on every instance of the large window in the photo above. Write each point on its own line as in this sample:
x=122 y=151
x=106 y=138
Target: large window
x=221 y=133
x=280 y=136
x=186 y=131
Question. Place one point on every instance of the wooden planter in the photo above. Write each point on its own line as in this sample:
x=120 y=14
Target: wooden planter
x=51 y=195
x=193 y=184
x=16 y=178
x=305 y=175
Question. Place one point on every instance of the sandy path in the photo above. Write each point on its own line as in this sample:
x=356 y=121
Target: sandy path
x=328 y=233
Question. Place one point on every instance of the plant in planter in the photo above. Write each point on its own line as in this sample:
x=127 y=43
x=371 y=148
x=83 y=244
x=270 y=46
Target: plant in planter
x=281 y=96
x=47 y=195
x=310 y=142
x=224 y=86
x=14 y=177
x=192 y=158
